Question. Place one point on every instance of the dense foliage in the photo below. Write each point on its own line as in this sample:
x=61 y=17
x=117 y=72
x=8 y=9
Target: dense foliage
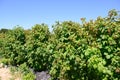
x=72 y=51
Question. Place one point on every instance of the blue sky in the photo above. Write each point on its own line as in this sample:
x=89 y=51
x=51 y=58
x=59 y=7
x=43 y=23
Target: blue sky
x=27 y=13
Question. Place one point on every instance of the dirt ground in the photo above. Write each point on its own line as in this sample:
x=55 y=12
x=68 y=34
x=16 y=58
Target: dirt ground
x=5 y=74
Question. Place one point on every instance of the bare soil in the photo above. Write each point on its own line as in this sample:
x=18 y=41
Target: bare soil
x=5 y=74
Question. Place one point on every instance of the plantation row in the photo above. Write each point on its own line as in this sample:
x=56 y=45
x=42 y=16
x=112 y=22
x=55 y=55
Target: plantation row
x=72 y=51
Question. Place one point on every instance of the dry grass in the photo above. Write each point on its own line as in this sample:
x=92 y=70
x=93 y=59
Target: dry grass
x=16 y=76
